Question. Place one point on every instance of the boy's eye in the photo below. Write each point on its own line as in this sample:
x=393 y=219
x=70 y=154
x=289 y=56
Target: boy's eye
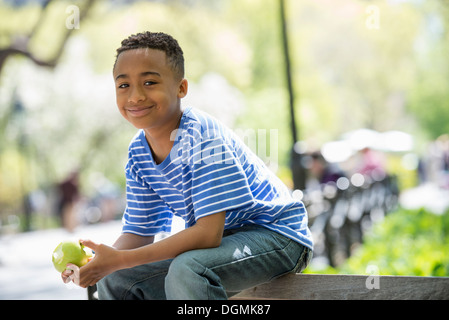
x=126 y=85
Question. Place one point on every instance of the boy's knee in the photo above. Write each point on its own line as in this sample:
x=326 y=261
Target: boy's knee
x=182 y=273
x=187 y=278
x=181 y=266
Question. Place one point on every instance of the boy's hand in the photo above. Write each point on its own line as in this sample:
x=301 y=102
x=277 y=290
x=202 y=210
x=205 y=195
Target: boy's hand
x=71 y=274
x=206 y=233
x=105 y=261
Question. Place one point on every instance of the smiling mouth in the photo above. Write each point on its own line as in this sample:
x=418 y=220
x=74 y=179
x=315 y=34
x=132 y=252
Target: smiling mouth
x=139 y=111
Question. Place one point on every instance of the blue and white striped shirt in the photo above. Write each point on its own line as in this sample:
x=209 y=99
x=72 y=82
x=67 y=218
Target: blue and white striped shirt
x=208 y=170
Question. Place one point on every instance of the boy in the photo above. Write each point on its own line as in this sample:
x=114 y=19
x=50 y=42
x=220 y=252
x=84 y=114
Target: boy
x=242 y=226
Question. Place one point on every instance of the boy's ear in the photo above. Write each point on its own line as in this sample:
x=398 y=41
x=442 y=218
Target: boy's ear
x=183 y=88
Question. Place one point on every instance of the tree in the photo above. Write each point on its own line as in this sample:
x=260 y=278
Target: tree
x=20 y=45
x=17 y=156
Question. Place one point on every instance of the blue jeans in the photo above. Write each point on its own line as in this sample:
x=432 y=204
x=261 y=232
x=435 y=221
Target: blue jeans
x=247 y=256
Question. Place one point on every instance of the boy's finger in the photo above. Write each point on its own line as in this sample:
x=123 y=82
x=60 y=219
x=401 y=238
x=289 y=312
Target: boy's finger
x=67 y=272
x=75 y=275
x=65 y=275
x=90 y=244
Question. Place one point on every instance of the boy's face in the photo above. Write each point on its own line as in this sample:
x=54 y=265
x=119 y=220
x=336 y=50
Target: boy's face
x=148 y=94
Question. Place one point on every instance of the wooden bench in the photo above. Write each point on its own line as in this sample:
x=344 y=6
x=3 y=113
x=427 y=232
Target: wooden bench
x=343 y=287
x=350 y=287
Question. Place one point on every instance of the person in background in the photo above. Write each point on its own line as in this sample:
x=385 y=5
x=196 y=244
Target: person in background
x=68 y=191
x=323 y=171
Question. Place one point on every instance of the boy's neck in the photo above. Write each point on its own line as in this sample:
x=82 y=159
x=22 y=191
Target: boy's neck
x=159 y=138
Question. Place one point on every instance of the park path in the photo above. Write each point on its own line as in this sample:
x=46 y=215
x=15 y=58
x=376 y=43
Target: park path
x=26 y=270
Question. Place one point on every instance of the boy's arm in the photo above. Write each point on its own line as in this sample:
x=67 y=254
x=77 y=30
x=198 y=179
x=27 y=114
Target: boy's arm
x=124 y=242
x=130 y=241
x=206 y=233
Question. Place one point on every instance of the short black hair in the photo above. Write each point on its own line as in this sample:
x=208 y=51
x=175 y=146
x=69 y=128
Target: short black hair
x=158 y=41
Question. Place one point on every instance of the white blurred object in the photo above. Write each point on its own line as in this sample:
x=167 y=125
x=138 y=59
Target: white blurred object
x=337 y=151
x=427 y=196
x=354 y=141
x=392 y=141
x=396 y=141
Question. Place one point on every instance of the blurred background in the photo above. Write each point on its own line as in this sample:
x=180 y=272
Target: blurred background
x=347 y=101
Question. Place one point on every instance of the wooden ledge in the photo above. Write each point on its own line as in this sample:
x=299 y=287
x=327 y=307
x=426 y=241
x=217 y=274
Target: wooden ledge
x=350 y=287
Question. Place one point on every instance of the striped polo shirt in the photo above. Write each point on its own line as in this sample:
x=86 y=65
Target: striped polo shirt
x=208 y=170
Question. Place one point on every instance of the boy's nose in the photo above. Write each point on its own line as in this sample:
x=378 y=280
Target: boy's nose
x=136 y=95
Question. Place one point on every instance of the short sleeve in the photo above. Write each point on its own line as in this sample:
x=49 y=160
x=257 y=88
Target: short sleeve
x=218 y=180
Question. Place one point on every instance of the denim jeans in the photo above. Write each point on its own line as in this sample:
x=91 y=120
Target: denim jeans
x=247 y=256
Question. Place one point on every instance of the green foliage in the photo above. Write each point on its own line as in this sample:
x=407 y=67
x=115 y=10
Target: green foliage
x=430 y=102
x=429 y=97
x=13 y=169
x=406 y=242
x=406 y=178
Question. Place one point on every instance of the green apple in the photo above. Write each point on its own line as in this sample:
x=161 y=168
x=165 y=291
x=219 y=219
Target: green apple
x=70 y=252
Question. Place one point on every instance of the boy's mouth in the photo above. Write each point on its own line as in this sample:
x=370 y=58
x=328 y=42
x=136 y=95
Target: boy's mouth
x=139 y=111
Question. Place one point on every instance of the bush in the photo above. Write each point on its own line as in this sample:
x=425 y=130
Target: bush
x=406 y=242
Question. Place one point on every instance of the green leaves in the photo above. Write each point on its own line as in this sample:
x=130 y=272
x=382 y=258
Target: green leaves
x=407 y=242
